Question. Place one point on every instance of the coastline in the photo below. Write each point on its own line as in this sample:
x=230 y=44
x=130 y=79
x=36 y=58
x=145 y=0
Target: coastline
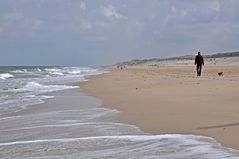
x=169 y=99
x=75 y=123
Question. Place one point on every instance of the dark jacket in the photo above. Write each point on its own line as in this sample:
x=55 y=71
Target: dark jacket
x=199 y=60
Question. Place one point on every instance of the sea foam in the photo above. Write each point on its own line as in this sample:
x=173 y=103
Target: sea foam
x=126 y=146
x=4 y=76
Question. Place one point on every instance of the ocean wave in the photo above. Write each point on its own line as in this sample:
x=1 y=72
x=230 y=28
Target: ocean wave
x=20 y=102
x=126 y=146
x=39 y=70
x=31 y=93
x=52 y=69
x=35 y=81
x=20 y=71
x=56 y=73
x=187 y=139
x=5 y=76
x=40 y=88
x=75 y=72
x=29 y=70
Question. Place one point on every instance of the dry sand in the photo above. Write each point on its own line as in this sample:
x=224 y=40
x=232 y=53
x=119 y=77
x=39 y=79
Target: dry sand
x=170 y=99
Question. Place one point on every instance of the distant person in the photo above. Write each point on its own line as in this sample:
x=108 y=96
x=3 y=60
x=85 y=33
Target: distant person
x=199 y=62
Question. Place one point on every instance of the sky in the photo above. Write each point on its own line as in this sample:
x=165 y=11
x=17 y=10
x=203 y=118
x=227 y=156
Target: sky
x=102 y=32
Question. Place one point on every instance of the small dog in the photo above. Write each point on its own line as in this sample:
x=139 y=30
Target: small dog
x=220 y=73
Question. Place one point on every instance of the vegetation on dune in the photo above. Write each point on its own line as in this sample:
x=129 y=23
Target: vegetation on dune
x=185 y=57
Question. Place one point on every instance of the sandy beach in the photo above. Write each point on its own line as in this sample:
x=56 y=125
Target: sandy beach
x=168 y=98
x=145 y=111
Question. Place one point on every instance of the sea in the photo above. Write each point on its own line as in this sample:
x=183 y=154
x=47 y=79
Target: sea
x=75 y=124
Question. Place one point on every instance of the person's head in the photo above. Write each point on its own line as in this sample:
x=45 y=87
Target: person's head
x=199 y=53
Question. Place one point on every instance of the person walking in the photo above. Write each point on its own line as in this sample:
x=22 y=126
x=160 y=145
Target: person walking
x=199 y=62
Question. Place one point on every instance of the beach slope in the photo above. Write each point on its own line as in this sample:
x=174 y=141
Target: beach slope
x=168 y=98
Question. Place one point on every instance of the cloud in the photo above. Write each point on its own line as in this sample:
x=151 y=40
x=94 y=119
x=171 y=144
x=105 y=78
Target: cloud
x=14 y=16
x=179 y=12
x=215 y=6
x=84 y=25
x=110 y=11
x=36 y=23
x=17 y=23
x=144 y=28
x=1 y=30
x=83 y=6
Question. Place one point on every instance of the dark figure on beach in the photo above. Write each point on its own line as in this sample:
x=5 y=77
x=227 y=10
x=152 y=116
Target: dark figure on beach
x=199 y=62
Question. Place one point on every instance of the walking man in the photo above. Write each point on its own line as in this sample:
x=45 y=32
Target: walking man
x=199 y=62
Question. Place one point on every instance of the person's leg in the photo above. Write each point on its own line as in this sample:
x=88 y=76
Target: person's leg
x=198 y=70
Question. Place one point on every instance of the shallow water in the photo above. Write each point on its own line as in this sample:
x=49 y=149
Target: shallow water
x=24 y=86
x=94 y=133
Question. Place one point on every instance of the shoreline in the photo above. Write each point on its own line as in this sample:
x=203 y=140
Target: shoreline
x=162 y=100
x=75 y=123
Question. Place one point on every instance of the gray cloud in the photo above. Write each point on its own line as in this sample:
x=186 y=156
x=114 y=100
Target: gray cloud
x=110 y=11
x=69 y=32
x=83 y=6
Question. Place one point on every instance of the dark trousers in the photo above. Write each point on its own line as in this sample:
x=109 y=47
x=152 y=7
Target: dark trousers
x=199 y=70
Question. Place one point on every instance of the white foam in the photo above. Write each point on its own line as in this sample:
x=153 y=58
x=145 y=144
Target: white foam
x=129 y=146
x=56 y=73
x=5 y=76
x=20 y=71
x=40 y=88
x=30 y=94
x=11 y=117
x=98 y=124
x=37 y=81
x=38 y=69
x=125 y=137
x=75 y=72
x=52 y=69
x=20 y=102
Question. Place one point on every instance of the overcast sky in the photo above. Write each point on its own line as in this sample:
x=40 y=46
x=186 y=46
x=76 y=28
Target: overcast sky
x=98 y=32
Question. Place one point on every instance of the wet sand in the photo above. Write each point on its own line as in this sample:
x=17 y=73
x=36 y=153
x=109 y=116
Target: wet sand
x=169 y=99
